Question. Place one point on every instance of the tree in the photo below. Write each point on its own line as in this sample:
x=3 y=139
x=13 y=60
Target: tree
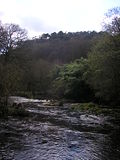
x=70 y=81
x=45 y=36
x=10 y=79
x=104 y=73
x=12 y=36
x=104 y=61
x=112 y=24
x=2 y=37
x=36 y=78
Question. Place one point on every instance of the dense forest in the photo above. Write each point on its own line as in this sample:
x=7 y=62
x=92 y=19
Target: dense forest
x=79 y=66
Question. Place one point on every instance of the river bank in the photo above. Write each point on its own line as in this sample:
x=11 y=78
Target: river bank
x=16 y=107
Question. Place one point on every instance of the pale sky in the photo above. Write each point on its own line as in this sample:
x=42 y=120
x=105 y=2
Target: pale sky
x=47 y=16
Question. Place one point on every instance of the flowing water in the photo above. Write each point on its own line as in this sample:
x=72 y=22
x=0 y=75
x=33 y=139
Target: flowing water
x=56 y=133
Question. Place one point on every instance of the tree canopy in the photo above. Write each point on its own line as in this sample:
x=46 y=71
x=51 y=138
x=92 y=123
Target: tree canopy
x=82 y=66
x=70 y=83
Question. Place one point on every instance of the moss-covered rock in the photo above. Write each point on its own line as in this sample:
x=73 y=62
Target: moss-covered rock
x=93 y=108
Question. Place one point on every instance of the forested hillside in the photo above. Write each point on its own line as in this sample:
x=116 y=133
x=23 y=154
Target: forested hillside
x=82 y=66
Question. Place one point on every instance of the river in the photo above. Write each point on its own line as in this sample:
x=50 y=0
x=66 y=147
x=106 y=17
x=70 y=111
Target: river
x=56 y=133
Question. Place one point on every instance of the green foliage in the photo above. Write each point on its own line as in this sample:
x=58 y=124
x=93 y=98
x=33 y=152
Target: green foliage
x=92 y=108
x=10 y=78
x=28 y=65
x=39 y=79
x=104 y=74
x=70 y=83
x=59 y=48
x=87 y=107
x=52 y=64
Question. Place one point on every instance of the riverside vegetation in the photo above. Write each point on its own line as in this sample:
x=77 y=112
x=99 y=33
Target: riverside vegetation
x=72 y=84
x=81 y=67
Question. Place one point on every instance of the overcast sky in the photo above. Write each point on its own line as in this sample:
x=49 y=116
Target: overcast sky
x=47 y=16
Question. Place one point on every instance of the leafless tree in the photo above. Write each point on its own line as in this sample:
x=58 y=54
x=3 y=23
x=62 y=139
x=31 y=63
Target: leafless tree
x=112 y=21
x=11 y=35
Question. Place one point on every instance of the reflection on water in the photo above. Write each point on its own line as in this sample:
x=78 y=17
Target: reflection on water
x=35 y=139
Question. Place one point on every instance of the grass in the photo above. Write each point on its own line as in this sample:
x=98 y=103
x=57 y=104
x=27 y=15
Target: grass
x=95 y=109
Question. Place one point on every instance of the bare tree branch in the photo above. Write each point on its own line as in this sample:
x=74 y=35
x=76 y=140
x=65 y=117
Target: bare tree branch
x=10 y=36
x=112 y=21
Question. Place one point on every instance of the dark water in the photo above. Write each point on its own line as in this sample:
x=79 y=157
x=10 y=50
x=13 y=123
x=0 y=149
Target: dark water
x=55 y=133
